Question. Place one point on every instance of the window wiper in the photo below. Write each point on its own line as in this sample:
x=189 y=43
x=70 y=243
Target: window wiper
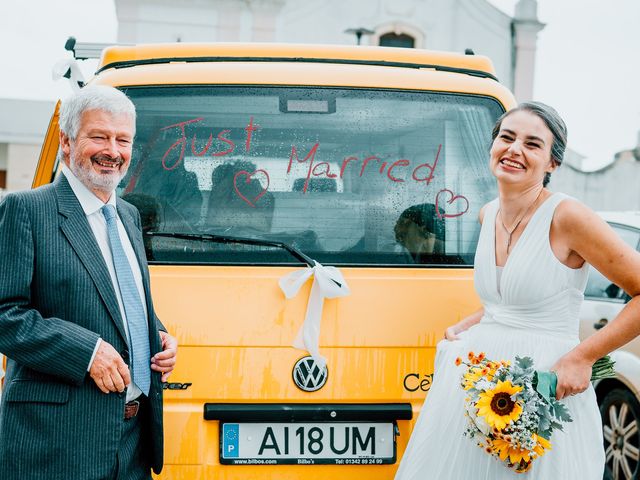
x=209 y=237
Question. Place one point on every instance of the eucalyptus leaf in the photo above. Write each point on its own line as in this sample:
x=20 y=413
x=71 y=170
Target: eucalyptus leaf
x=524 y=363
x=561 y=412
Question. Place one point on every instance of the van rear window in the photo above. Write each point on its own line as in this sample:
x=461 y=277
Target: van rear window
x=347 y=176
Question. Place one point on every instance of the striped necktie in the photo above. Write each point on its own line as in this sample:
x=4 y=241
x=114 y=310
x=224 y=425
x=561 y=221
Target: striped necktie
x=136 y=320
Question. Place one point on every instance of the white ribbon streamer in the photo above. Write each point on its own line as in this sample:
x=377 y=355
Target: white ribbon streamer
x=65 y=65
x=328 y=282
x=1 y=372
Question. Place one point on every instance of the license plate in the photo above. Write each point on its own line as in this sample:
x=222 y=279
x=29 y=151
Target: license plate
x=307 y=443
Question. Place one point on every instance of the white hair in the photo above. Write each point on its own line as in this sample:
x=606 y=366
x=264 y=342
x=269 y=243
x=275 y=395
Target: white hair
x=94 y=97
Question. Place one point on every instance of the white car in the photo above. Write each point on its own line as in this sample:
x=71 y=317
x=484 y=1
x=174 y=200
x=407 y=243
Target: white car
x=618 y=397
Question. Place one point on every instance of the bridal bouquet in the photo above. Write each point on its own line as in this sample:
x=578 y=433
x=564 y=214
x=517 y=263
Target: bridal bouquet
x=512 y=409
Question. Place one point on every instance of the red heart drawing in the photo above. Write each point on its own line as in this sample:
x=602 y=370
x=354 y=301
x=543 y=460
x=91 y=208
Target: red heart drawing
x=252 y=202
x=454 y=197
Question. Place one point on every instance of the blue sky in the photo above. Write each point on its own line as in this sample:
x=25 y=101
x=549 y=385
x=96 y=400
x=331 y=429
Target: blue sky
x=587 y=65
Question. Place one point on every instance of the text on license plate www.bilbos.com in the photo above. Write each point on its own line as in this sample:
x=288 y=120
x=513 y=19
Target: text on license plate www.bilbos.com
x=307 y=443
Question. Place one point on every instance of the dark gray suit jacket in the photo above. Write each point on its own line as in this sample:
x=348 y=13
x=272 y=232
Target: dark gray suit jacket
x=56 y=299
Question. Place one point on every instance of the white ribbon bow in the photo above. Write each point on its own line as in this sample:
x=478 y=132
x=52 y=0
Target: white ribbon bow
x=328 y=282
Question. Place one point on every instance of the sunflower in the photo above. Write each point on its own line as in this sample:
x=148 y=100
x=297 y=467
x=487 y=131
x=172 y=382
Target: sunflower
x=542 y=445
x=506 y=450
x=520 y=460
x=497 y=407
x=470 y=378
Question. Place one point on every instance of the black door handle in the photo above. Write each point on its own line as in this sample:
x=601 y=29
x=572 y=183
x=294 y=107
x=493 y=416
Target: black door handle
x=600 y=323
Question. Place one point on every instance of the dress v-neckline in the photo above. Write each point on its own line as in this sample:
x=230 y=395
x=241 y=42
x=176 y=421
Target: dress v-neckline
x=494 y=264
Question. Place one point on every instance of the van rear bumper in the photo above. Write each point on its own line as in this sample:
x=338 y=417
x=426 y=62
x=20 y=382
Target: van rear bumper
x=301 y=412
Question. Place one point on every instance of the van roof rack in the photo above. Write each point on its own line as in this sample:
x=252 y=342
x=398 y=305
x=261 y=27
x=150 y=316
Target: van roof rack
x=68 y=67
x=118 y=56
x=128 y=55
x=86 y=50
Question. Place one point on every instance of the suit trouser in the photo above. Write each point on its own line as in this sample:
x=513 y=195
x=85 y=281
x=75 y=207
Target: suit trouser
x=132 y=462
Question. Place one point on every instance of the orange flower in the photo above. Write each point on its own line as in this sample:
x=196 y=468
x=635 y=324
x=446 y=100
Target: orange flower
x=458 y=361
x=471 y=356
x=481 y=356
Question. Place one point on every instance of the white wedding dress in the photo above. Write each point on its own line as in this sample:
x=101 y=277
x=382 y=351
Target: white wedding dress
x=530 y=310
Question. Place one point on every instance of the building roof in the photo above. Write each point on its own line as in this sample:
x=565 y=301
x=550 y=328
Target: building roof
x=24 y=121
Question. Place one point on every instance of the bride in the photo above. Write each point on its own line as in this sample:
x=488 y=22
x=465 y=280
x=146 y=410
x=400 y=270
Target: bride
x=531 y=268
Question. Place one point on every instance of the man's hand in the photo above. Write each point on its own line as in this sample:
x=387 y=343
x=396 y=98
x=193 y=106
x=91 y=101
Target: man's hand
x=165 y=360
x=109 y=370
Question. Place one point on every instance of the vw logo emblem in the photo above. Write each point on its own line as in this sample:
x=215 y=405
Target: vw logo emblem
x=308 y=376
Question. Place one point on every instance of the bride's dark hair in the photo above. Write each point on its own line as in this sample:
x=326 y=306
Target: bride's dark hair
x=554 y=123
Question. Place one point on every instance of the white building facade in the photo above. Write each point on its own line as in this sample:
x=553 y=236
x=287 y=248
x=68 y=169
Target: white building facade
x=22 y=131
x=452 y=25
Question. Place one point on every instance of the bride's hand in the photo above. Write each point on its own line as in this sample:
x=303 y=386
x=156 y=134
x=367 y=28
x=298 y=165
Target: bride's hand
x=450 y=334
x=463 y=325
x=574 y=375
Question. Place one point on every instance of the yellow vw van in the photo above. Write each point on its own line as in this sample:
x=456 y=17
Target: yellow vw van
x=256 y=166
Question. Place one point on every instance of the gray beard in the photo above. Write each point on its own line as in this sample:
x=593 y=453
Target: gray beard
x=95 y=181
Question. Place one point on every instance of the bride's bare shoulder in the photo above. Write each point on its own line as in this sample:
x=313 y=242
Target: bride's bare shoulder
x=482 y=212
x=571 y=214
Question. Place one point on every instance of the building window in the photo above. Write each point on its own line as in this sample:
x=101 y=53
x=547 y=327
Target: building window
x=397 y=40
x=398 y=34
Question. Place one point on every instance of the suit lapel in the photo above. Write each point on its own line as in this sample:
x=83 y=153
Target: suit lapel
x=76 y=228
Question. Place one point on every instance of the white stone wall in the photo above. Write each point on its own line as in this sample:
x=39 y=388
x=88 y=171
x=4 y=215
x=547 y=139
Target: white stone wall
x=22 y=131
x=22 y=161
x=4 y=156
x=166 y=21
x=615 y=187
x=487 y=31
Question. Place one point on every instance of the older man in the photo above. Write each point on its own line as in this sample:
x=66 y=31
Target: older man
x=87 y=354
